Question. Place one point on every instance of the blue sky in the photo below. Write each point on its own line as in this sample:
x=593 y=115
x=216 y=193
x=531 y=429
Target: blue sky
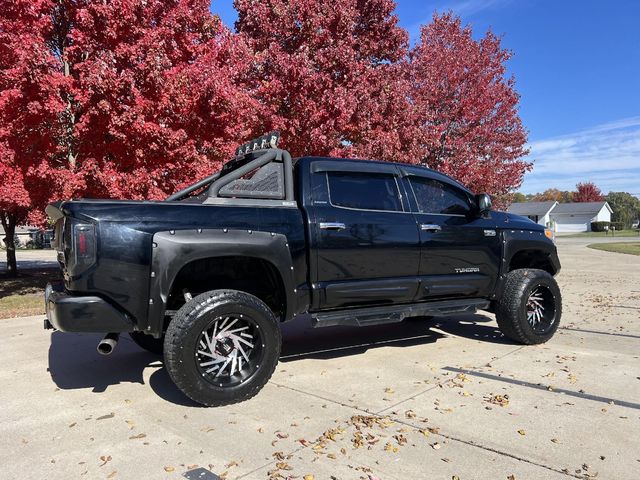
x=577 y=69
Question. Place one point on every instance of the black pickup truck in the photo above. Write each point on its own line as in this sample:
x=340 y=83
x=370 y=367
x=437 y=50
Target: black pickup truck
x=207 y=275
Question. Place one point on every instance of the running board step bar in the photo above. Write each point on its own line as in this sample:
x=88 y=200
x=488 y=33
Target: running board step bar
x=360 y=317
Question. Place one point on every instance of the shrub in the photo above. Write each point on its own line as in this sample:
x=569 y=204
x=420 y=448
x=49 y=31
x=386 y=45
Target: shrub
x=617 y=225
x=600 y=226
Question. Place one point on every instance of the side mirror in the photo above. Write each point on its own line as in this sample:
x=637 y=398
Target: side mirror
x=484 y=203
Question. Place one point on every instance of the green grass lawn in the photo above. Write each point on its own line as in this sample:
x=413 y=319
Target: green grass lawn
x=24 y=295
x=620 y=233
x=632 y=248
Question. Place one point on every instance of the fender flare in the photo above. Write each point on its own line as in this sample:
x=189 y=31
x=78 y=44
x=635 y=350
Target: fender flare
x=172 y=250
x=516 y=241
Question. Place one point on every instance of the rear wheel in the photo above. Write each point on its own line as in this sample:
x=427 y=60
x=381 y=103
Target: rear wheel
x=148 y=342
x=530 y=308
x=222 y=347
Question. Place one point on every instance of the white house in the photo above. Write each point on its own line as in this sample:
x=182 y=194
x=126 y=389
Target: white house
x=564 y=217
x=29 y=235
x=577 y=217
x=539 y=212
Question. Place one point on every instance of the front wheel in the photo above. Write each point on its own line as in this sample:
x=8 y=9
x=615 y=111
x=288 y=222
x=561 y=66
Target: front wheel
x=222 y=347
x=530 y=307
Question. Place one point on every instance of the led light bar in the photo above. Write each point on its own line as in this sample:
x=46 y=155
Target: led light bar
x=270 y=140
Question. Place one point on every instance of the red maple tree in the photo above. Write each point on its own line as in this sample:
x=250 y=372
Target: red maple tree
x=132 y=98
x=327 y=73
x=30 y=111
x=587 y=192
x=124 y=99
x=464 y=110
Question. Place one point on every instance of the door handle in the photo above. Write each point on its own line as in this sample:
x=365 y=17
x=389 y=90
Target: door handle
x=332 y=226
x=427 y=227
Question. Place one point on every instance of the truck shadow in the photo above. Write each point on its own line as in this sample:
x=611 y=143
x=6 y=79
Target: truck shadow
x=75 y=364
x=301 y=340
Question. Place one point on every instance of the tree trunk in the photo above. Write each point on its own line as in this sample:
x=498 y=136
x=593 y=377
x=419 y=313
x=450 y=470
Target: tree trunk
x=9 y=225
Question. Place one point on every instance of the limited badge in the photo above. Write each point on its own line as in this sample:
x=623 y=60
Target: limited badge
x=467 y=270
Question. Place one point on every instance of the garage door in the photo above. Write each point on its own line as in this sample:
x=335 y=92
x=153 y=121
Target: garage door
x=572 y=223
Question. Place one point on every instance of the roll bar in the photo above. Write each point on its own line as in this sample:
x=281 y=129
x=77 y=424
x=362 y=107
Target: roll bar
x=219 y=180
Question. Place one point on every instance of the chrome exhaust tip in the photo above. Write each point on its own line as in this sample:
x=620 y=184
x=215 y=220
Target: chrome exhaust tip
x=108 y=343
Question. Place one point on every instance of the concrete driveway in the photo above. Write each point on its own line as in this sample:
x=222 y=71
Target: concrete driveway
x=423 y=399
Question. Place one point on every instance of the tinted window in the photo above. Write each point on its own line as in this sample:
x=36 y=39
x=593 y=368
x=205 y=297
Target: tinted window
x=437 y=197
x=367 y=191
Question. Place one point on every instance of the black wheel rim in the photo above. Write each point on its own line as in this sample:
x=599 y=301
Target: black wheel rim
x=229 y=350
x=541 y=309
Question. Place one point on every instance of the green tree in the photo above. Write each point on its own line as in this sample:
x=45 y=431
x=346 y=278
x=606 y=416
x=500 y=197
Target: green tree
x=519 y=197
x=626 y=207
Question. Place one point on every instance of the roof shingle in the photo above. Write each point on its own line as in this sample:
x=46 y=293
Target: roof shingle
x=531 y=208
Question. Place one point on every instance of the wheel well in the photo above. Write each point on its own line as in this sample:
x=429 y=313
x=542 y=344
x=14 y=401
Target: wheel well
x=532 y=259
x=255 y=276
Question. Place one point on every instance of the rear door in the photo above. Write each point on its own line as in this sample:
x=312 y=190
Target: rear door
x=460 y=251
x=365 y=242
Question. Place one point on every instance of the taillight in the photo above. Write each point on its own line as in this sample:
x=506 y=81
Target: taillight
x=84 y=246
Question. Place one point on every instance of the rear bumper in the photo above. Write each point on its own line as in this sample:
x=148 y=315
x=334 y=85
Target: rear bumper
x=73 y=313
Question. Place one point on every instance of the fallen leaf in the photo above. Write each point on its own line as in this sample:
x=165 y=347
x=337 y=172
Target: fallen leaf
x=522 y=432
x=73 y=425
x=104 y=417
x=140 y=435
x=169 y=469
x=401 y=439
x=308 y=477
x=555 y=440
x=389 y=390
x=502 y=400
x=105 y=459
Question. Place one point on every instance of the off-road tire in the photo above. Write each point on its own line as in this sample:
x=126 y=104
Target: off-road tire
x=185 y=330
x=148 y=342
x=511 y=308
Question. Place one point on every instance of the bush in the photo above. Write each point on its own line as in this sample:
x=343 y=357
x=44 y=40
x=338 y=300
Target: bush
x=618 y=225
x=600 y=226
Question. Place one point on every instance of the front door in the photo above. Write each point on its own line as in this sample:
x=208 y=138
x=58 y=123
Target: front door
x=460 y=251
x=365 y=240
